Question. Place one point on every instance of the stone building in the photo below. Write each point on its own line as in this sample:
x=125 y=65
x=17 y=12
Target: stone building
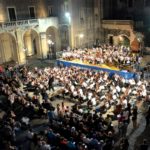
x=126 y=19
x=84 y=22
x=43 y=27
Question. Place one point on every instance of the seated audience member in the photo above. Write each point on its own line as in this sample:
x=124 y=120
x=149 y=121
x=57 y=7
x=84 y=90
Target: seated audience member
x=144 y=145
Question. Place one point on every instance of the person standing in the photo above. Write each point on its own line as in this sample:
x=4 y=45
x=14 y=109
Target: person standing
x=134 y=117
x=147 y=117
x=50 y=83
x=124 y=144
x=51 y=115
x=126 y=116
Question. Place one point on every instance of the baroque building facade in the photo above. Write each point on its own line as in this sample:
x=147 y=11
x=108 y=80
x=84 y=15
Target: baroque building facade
x=135 y=13
x=43 y=27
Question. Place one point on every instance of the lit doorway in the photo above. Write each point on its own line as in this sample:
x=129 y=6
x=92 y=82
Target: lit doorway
x=31 y=43
x=8 y=48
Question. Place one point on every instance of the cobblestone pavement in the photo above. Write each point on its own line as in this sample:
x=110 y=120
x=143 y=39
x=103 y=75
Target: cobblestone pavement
x=133 y=134
x=144 y=135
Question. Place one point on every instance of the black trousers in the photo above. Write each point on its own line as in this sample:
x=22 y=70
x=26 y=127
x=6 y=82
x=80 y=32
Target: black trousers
x=51 y=87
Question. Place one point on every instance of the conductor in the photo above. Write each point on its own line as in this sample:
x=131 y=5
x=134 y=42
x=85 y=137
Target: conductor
x=50 y=83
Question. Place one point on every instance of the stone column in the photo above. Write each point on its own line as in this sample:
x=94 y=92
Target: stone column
x=21 y=53
x=132 y=36
x=28 y=45
x=2 y=54
x=71 y=26
x=44 y=45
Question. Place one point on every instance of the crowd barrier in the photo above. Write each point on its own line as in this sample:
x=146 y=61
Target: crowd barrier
x=125 y=74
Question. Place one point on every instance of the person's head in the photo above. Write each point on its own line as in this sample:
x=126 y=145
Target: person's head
x=108 y=115
x=109 y=133
x=71 y=139
x=144 y=141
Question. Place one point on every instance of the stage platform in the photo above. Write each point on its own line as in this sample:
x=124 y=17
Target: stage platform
x=103 y=67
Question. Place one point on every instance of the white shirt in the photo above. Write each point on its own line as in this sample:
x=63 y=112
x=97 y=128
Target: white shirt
x=92 y=86
x=102 y=97
x=139 y=83
x=134 y=92
x=84 y=84
x=144 y=93
x=72 y=88
x=132 y=82
x=90 y=95
x=123 y=80
x=118 y=88
x=93 y=100
x=123 y=89
x=125 y=103
x=114 y=97
x=66 y=90
x=81 y=92
x=101 y=87
x=75 y=93
x=105 y=77
x=107 y=104
x=84 y=97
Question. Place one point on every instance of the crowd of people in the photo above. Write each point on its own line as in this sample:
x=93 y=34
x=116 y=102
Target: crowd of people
x=104 y=54
x=82 y=127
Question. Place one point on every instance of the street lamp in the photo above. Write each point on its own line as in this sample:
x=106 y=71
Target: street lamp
x=81 y=35
x=67 y=15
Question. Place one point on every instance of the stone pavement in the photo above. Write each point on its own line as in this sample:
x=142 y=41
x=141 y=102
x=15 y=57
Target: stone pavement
x=41 y=63
x=133 y=134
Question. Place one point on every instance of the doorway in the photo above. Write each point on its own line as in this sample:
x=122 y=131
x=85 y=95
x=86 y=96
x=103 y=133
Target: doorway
x=111 y=41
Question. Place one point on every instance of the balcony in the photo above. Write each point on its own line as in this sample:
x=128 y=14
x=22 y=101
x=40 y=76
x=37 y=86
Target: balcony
x=30 y=23
x=20 y=23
